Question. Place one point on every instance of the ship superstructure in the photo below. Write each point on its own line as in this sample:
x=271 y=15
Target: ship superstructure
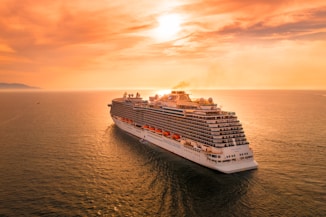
x=197 y=130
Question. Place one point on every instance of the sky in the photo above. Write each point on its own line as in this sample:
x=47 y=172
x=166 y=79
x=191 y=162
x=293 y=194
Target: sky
x=215 y=44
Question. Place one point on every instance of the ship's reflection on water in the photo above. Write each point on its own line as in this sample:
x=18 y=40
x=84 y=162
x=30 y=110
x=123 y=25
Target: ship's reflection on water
x=169 y=185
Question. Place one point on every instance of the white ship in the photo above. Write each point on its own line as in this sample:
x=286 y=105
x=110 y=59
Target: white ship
x=197 y=130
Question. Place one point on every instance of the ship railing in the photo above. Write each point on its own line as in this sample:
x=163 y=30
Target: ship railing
x=198 y=133
x=164 y=111
x=181 y=125
x=188 y=128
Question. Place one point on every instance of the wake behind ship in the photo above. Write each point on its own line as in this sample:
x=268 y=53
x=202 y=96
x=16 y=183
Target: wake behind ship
x=197 y=130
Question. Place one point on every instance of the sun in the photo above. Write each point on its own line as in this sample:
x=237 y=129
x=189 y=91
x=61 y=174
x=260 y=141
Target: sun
x=163 y=92
x=168 y=27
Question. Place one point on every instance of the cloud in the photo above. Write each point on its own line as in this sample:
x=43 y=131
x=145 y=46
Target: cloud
x=71 y=40
x=231 y=21
x=292 y=25
x=51 y=35
x=45 y=29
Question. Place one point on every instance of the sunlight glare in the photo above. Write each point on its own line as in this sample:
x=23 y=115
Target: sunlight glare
x=163 y=92
x=169 y=26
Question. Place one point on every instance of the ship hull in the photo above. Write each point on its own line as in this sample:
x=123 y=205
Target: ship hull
x=188 y=152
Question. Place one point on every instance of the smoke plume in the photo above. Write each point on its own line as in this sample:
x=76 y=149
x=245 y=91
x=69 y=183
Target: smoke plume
x=182 y=84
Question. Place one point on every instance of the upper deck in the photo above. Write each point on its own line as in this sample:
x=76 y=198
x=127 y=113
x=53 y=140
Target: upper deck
x=176 y=100
x=201 y=120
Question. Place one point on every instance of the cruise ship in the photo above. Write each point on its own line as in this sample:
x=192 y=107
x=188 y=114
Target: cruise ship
x=195 y=129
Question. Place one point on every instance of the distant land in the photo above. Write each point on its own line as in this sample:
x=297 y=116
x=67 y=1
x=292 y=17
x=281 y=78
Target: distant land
x=16 y=86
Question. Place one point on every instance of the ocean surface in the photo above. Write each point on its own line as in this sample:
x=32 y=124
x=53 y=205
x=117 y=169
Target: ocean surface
x=61 y=155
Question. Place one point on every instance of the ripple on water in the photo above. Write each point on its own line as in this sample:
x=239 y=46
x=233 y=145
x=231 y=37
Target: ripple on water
x=63 y=157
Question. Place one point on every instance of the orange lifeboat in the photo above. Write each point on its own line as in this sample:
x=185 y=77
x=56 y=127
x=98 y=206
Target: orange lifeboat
x=152 y=128
x=176 y=136
x=159 y=131
x=146 y=127
x=166 y=133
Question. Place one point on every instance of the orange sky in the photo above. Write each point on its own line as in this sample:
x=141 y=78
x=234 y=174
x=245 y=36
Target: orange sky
x=144 y=44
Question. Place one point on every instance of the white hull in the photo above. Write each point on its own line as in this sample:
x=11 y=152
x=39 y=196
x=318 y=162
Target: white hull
x=196 y=155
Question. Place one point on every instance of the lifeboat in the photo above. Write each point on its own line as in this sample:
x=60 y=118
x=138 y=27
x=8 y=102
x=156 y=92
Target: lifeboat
x=166 y=133
x=176 y=136
x=159 y=131
x=146 y=127
x=152 y=128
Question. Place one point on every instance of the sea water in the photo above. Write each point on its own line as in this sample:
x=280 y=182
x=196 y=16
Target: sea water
x=61 y=155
